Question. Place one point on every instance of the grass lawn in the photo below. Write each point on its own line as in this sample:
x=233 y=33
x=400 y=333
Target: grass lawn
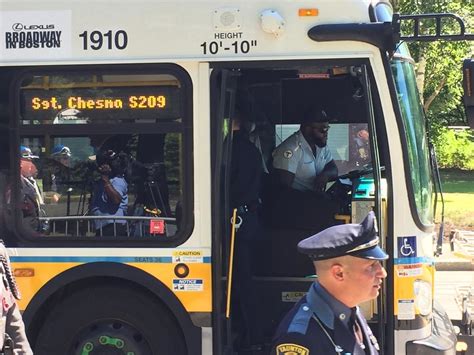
x=458 y=192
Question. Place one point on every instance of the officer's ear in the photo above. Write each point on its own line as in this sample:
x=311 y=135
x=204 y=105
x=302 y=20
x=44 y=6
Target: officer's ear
x=337 y=272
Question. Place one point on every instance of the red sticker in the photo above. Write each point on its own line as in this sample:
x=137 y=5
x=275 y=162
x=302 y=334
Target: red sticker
x=157 y=226
x=5 y=304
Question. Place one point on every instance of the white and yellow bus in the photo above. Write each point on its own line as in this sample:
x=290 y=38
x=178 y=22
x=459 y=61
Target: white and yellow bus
x=154 y=85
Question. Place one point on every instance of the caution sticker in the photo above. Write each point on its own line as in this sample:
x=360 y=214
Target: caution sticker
x=291 y=296
x=187 y=256
x=409 y=270
x=291 y=349
x=188 y=285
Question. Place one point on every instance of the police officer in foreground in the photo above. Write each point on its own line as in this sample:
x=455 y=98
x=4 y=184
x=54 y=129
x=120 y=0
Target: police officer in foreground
x=13 y=339
x=327 y=320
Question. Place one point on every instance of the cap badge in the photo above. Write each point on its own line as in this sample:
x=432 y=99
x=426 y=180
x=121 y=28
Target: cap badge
x=367 y=245
x=288 y=154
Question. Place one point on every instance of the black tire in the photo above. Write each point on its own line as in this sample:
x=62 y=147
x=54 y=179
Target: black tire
x=109 y=320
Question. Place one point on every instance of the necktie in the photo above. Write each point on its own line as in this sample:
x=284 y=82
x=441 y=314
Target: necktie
x=359 y=336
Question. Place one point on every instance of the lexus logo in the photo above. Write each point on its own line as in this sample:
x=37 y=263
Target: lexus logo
x=17 y=26
x=20 y=27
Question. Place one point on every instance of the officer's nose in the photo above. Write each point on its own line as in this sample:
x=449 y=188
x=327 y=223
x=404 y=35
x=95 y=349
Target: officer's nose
x=381 y=272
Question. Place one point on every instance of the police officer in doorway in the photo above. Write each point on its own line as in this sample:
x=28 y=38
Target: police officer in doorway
x=245 y=183
x=327 y=320
x=13 y=339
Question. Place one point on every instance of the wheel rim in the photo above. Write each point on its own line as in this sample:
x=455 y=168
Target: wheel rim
x=110 y=337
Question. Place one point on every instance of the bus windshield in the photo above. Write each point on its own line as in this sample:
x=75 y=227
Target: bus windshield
x=415 y=135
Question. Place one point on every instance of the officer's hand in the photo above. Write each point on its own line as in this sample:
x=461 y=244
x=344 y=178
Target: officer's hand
x=320 y=182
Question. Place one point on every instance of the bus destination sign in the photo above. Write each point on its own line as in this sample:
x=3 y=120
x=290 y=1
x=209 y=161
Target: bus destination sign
x=98 y=104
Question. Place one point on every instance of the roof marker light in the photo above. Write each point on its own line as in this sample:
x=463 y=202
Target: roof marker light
x=308 y=12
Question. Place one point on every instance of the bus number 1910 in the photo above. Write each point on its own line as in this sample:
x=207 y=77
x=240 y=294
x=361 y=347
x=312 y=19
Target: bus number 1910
x=96 y=40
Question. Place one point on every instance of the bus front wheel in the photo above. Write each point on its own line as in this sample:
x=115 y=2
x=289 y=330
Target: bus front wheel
x=109 y=320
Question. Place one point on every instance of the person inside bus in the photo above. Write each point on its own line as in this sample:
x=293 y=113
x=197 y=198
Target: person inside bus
x=32 y=197
x=110 y=195
x=347 y=260
x=302 y=166
x=361 y=151
x=58 y=172
x=245 y=183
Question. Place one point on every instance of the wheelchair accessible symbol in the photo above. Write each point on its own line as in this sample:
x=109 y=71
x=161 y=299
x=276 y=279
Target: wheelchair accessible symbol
x=406 y=247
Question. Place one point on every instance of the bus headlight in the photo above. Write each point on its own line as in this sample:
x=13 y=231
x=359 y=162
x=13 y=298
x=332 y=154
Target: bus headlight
x=423 y=297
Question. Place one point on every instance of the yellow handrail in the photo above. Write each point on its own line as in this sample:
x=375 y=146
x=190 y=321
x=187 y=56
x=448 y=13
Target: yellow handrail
x=231 y=261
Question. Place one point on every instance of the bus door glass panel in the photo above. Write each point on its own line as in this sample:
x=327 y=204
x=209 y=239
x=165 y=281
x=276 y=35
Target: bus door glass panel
x=415 y=136
x=85 y=132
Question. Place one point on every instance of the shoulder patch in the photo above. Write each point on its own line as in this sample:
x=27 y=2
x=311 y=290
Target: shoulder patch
x=291 y=349
x=288 y=154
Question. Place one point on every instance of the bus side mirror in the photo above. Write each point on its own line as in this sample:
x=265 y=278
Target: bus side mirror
x=468 y=86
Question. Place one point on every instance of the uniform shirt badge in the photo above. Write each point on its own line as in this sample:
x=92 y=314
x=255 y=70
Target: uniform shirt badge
x=288 y=154
x=291 y=349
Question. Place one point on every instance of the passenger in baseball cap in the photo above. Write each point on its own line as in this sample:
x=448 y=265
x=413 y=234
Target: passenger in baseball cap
x=62 y=154
x=32 y=196
x=347 y=260
x=27 y=167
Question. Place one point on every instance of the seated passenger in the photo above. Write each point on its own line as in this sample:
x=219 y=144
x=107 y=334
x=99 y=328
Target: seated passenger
x=303 y=165
x=110 y=195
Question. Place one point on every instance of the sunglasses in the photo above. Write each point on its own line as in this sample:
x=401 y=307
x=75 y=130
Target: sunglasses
x=323 y=130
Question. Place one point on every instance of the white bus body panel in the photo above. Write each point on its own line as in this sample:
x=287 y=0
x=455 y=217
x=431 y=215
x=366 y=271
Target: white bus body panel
x=157 y=31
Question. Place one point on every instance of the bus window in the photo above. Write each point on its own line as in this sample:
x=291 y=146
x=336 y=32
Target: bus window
x=107 y=156
x=349 y=143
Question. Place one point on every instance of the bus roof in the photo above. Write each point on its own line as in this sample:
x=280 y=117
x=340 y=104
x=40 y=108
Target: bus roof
x=72 y=31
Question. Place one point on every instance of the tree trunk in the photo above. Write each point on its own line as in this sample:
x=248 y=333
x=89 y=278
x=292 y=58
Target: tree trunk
x=395 y=4
x=435 y=93
x=420 y=74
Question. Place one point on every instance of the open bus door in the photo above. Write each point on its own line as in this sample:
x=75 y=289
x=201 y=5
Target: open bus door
x=384 y=330
x=223 y=94
x=276 y=93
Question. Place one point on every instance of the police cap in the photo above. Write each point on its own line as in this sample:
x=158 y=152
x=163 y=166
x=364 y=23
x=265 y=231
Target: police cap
x=360 y=240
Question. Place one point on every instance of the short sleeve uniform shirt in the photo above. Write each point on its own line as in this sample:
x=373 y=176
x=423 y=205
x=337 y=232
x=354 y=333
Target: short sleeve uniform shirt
x=296 y=156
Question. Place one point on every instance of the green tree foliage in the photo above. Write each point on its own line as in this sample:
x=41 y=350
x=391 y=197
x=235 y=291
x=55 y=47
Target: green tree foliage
x=438 y=64
x=438 y=67
x=455 y=149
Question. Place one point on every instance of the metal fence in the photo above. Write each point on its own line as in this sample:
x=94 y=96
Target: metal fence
x=135 y=226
